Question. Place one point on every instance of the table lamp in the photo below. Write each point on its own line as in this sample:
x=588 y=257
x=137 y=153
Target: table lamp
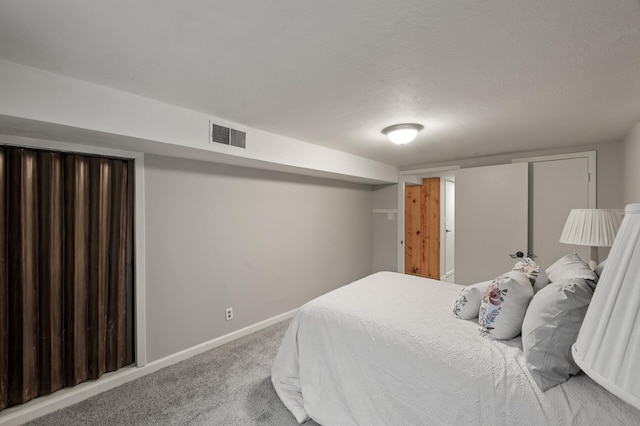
x=591 y=227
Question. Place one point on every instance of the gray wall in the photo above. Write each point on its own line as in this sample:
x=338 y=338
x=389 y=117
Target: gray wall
x=265 y=243
x=385 y=231
x=632 y=166
x=610 y=191
x=258 y=241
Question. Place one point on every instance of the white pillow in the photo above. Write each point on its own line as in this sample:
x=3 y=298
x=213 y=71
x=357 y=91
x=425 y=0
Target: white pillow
x=569 y=267
x=467 y=304
x=541 y=281
x=551 y=327
x=536 y=274
x=504 y=306
x=529 y=267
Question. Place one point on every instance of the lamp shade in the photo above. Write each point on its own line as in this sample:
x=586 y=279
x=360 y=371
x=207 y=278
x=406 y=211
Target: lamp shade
x=591 y=227
x=608 y=345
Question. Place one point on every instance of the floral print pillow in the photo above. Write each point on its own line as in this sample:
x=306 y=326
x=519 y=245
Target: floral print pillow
x=529 y=268
x=504 y=305
x=467 y=305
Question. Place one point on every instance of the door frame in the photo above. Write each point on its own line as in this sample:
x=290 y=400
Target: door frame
x=412 y=176
x=444 y=274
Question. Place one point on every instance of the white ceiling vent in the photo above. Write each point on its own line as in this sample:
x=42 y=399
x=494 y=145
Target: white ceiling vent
x=227 y=136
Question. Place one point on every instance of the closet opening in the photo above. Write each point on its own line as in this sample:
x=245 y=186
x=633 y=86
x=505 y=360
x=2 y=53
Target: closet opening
x=66 y=270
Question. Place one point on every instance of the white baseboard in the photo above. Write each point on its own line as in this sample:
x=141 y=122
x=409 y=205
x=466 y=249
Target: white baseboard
x=68 y=396
x=448 y=276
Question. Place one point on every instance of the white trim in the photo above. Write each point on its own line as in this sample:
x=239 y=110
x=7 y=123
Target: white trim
x=447 y=275
x=140 y=262
x=65 y=146
x=404 y=177
x=219 y=341
x=590 y=155
x=422 y=172
x=69 y=396
x=139 y=224
x=443 y=229
x=565 y=156
x=413 y=180
x=400 y=236
x=443 y=233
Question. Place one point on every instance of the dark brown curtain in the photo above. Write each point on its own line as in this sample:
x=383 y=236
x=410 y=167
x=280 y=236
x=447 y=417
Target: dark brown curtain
x=66 y=279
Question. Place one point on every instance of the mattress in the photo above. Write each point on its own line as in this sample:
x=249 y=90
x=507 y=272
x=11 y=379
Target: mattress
x=387 y=349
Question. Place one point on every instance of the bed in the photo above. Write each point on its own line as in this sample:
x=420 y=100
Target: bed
x=386 y=349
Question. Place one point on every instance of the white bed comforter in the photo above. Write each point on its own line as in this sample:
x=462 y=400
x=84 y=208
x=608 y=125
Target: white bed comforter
x=387 y=350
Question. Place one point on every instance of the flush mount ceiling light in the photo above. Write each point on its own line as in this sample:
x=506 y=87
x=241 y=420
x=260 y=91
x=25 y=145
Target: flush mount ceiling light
x=401 y=134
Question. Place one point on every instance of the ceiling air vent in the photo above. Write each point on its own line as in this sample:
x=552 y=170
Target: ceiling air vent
x=227 y=136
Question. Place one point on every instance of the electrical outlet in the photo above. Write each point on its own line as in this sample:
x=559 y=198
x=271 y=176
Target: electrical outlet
x=229 y=313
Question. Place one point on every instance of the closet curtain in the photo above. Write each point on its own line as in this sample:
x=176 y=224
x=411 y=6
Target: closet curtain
x=66 y=281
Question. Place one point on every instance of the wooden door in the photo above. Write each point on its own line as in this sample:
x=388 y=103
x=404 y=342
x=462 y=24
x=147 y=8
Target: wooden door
x=430 y=211
x=491 y=220
x=422 y=229
x=412 y=229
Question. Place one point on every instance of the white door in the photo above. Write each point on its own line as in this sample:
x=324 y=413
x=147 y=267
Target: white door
x=557 y=186
x=450 y=227
x=491 y=216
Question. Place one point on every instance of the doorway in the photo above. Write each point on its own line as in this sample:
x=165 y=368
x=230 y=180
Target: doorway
x=422 y=229
x=426 y=225
x=68 y=278
x=449 y=222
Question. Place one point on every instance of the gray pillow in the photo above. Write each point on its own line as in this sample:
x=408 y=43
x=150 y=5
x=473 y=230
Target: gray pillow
x=600 y=268
x=541 y=281
x=550 y=327
x=570 y=266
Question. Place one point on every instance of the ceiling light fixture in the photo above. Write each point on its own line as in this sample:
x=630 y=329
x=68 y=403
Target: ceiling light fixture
x=401 y=134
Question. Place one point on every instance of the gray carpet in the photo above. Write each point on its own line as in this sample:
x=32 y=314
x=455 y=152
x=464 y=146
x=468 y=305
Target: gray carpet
x=228 y=385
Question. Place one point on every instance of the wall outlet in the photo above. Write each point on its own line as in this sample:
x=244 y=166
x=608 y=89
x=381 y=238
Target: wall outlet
x=229 y=313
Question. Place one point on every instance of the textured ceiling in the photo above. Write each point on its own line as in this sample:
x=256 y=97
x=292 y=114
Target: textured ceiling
x=483 y=77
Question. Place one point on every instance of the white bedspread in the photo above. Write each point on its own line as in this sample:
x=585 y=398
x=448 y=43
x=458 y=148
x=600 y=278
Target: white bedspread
x=386 y=350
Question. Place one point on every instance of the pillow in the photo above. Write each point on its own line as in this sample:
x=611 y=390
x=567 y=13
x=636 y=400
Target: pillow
x=541 y=281
x=467 y=304
x=536 y=274
x=551 y=327
x=504 y=305
x=600 y=268
x=568 y=267
x=528 y=267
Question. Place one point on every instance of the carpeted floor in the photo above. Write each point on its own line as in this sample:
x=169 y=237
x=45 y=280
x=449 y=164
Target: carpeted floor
x=228 y=385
